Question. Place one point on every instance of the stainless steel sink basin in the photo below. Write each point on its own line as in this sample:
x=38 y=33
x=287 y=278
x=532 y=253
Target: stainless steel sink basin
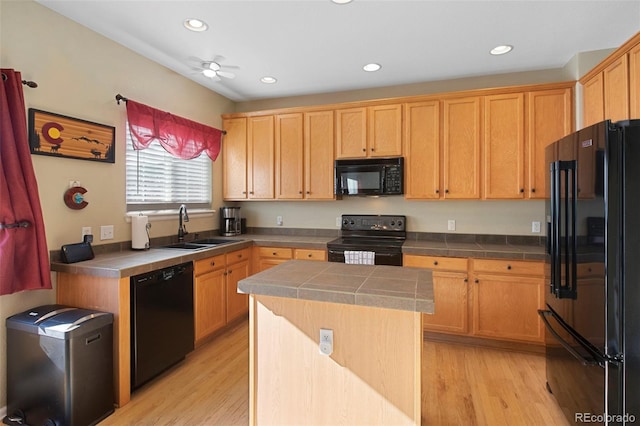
x=199 y=244
x=186 y=246
x=213 y=241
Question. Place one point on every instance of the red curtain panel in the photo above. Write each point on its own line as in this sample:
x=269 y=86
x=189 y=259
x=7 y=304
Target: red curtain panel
x=24 y=258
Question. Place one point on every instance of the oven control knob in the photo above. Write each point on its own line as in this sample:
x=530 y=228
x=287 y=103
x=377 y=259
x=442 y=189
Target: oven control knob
x=393 y=223
x=345 y=222
x=399 y=223
x=352 y=222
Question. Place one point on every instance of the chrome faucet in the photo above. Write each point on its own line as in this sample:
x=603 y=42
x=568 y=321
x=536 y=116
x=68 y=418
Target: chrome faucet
x=182 y=217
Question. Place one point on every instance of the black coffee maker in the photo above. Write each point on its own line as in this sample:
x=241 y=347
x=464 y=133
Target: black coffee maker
x=230 y=222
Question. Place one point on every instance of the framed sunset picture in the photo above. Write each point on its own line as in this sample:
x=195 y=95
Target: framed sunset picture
x=57 y=135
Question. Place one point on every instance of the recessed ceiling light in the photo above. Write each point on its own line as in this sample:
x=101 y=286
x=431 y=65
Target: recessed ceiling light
x=268 y=80
x=501 y=50
x=341 y=1
x=195 y=25
x=372 y=67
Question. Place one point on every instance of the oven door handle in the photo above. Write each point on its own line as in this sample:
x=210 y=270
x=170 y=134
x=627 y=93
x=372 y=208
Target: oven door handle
x=584 y=361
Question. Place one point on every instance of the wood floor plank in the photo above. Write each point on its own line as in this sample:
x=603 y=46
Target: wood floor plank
x=461 y=385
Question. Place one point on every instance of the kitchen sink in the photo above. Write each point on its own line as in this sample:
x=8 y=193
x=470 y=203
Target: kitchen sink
x=199 y=244
x=186 y=246
x=214 y=241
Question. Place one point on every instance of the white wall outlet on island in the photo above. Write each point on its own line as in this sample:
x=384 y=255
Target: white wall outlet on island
x=106 y=232
x=279 y=220
x=326 y=341
x=451 y=225
x=535 y=227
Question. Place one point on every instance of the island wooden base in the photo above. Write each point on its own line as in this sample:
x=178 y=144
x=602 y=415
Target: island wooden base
x=372 y=376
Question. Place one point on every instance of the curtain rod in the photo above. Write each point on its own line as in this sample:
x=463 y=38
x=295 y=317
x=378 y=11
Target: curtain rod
x=31 y=84
x=119 y=98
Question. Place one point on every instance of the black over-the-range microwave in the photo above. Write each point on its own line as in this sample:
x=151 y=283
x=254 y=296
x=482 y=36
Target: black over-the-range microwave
x=369 y=176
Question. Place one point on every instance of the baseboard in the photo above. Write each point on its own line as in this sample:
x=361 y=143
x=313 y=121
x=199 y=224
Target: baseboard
x=484 y=342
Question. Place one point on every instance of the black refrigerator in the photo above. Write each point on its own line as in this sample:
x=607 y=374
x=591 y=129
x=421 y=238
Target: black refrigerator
x=592 y=306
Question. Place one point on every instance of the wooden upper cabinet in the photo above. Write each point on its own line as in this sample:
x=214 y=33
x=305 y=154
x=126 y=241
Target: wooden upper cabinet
x=616 y=90
x=549 y=118
x=318 y=155
x=260 y=134
x=234 y=159
x=422 y=150
x=634 y=82
x=503 y=153
x=385 y=131
x=351 y=133
x=461 y=147
x=374 y=131
x=593 y=100
x=289 y=155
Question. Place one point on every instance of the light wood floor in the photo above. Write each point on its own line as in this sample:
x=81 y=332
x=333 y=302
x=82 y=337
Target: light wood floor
x=461 y=385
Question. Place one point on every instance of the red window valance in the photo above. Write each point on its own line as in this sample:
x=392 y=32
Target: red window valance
x=181 y=137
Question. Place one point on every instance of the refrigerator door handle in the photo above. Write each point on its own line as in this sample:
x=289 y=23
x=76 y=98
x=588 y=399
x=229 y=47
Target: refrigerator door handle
x=584 y=361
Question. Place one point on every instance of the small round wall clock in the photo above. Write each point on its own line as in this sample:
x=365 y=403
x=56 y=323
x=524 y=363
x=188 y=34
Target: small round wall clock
x=74 y=198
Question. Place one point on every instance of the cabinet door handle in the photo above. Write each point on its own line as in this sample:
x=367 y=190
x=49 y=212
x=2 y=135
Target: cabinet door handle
x=308 y=192
x=230 y=271
x=309 y=255
x=446 y=191
x=373 y=149
x=533 y=190
x=244 y=192
x=274 y=253
x=476 y=281
x=466 y=280
x=251 y=192
x=521 y=190
x=213 y=263
x=225 y=274
x=435 y=262
x=437 y=191
x=364 y=149
x=299 y=192
x=509 y=267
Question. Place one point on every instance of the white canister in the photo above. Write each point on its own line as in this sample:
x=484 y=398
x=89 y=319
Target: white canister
x=140 y=232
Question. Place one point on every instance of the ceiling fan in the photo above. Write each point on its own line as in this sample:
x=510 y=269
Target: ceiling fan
x=212 y=68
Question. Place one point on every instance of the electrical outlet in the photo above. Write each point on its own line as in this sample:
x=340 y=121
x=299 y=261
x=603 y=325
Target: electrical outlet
x=535 y=227
x=326 y=341
x=106 y=232
x=279 y=220
x=86 y=230
x=451 y=225
x=338 y=222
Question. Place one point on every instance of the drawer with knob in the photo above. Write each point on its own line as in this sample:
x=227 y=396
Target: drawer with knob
x=509 y=267
x=238 y=256
x=436 y=263
x=276 y=252
x=310 y=254
x=209 y=264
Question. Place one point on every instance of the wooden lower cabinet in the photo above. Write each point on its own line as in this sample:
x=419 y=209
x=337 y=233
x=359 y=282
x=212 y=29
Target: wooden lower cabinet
x=492 y=299
x=216 y=300
x=237 y=303
x=506 y=297
x=450 y=292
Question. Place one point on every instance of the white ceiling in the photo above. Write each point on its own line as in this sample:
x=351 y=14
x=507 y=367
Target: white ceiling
x=316 y=46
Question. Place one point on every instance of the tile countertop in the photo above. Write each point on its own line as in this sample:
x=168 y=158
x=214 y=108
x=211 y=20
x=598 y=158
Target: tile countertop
x=392 y=287
x=125 y=263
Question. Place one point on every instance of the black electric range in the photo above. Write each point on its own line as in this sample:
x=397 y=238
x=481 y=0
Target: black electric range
x=381 y=234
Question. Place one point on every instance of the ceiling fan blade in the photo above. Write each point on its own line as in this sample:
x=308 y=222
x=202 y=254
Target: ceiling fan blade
x=226 y=74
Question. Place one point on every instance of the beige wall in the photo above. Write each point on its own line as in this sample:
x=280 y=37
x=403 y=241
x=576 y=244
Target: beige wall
x=79 y=73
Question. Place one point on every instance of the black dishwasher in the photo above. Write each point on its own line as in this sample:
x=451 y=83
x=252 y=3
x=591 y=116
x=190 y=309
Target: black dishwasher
x=162 y=330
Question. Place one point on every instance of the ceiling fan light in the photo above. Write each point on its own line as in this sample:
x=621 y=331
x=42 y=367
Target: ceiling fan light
x=501 y=50
x=209 y=73
x=214 y=66
x=268 y=80
x=195 y=25
x=341 y=1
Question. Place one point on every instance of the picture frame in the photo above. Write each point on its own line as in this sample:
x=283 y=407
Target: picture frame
x=57 y=135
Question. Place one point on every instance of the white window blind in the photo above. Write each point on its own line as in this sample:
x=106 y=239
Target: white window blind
x=156 y=180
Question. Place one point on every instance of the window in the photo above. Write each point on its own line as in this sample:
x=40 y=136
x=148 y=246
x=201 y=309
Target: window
x=156 y=180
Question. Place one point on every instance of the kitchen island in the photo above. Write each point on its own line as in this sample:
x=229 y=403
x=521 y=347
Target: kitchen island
x=372 y=375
